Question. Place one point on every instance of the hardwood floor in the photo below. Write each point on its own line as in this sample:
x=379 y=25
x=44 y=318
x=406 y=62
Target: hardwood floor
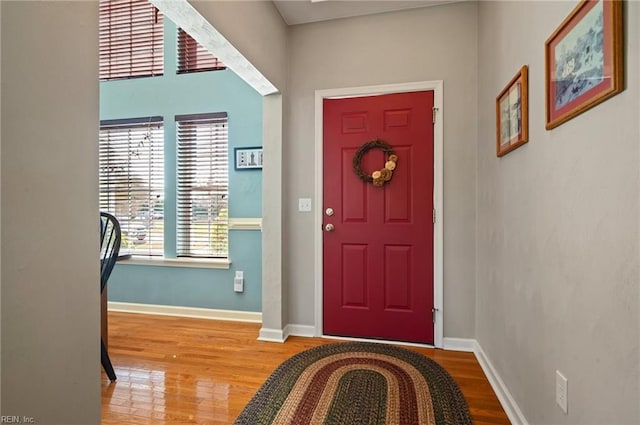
x=194 y=371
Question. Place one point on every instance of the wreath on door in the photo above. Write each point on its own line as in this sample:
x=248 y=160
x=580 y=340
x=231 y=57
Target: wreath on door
x=378 y=177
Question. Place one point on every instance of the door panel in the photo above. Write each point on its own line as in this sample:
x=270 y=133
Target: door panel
x=397 y=279
x=354 y=261
x=378 y=260
x=397 y=202
x=354 y=194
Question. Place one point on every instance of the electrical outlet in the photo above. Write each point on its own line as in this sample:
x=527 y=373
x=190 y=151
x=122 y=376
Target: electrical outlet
x=561 y=391
x=238 y=281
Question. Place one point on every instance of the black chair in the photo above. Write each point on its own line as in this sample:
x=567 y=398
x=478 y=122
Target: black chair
x=110 y=237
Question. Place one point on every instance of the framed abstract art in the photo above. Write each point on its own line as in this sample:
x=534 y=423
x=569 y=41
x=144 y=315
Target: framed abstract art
x=248 y=158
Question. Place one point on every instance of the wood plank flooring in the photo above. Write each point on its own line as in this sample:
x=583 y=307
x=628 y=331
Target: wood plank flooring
x=193 y=371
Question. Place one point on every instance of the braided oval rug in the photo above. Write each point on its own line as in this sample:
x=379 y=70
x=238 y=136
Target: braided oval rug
x=357 y=383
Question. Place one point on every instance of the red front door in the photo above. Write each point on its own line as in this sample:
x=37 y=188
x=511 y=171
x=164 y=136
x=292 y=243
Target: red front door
x=378 y=259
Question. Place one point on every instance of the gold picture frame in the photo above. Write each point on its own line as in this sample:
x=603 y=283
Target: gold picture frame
x=512 y=113
x=584 y=60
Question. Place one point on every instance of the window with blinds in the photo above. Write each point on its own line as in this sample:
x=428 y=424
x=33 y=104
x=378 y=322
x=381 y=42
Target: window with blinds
x=192 y=57
x=132 y=181
x=131 y=39
x=203 y=186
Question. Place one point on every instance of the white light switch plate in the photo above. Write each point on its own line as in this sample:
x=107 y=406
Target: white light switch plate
x=304 y=204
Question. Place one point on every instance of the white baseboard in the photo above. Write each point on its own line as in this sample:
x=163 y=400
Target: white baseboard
x=271 y=335
x=245 y=223
x=194 y=312
x=460 y=344
x=509 y=405
x=300 y=330
x=502 y=392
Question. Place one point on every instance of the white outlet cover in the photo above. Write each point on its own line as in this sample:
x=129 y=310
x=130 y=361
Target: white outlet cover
x=238 y=284
x=562 y=384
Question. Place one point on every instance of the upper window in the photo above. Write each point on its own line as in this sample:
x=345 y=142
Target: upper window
x=131 y=42
x=203 y=186
x=132 y=181
x=192 y=57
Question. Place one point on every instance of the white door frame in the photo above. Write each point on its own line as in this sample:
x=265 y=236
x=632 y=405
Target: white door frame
x=320 y=95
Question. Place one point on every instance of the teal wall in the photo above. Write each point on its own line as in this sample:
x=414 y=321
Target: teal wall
x=167 y=96
x=195 y=287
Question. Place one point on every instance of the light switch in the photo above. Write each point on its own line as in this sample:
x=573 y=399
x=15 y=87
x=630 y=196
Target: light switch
x=304 y=204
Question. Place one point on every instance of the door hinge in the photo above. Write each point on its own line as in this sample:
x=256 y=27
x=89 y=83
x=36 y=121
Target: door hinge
x=434 y=216
x=435 y=110
x=434 y=311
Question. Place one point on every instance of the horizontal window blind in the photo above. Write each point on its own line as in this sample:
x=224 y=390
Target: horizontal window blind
x=203 y=186
x=131 y=39
x=192 y=57
x=132 y=181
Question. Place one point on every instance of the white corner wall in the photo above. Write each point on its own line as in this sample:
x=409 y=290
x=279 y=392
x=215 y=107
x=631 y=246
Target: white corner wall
x=50 y=280
x=273 y=320
x=257 y=30
x=558 y=240
x=435 y=43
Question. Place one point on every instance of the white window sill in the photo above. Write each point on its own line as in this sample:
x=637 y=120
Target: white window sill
x=195 y=263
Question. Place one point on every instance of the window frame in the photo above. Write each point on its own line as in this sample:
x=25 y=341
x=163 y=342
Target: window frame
x=131 y=40
x=192 y=57
x=127 y=137
x=191 y=167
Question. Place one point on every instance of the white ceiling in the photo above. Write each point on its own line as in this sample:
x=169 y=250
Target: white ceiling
x=304 y=11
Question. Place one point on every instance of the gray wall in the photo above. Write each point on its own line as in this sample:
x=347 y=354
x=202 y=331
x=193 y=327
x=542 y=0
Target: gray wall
x=557 y=232
x=50 y=290
x=0 y=211
x=437 y=43
x=405 y=47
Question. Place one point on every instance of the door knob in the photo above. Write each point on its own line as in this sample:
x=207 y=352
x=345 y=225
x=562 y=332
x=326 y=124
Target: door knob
x=329 y=227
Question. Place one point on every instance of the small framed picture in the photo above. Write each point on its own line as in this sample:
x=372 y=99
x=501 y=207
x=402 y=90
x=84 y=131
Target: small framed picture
x=512 y=114
x=248 y=158
x=584 y=60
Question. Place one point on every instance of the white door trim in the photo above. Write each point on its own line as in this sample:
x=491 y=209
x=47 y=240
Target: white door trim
x=437 y=88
